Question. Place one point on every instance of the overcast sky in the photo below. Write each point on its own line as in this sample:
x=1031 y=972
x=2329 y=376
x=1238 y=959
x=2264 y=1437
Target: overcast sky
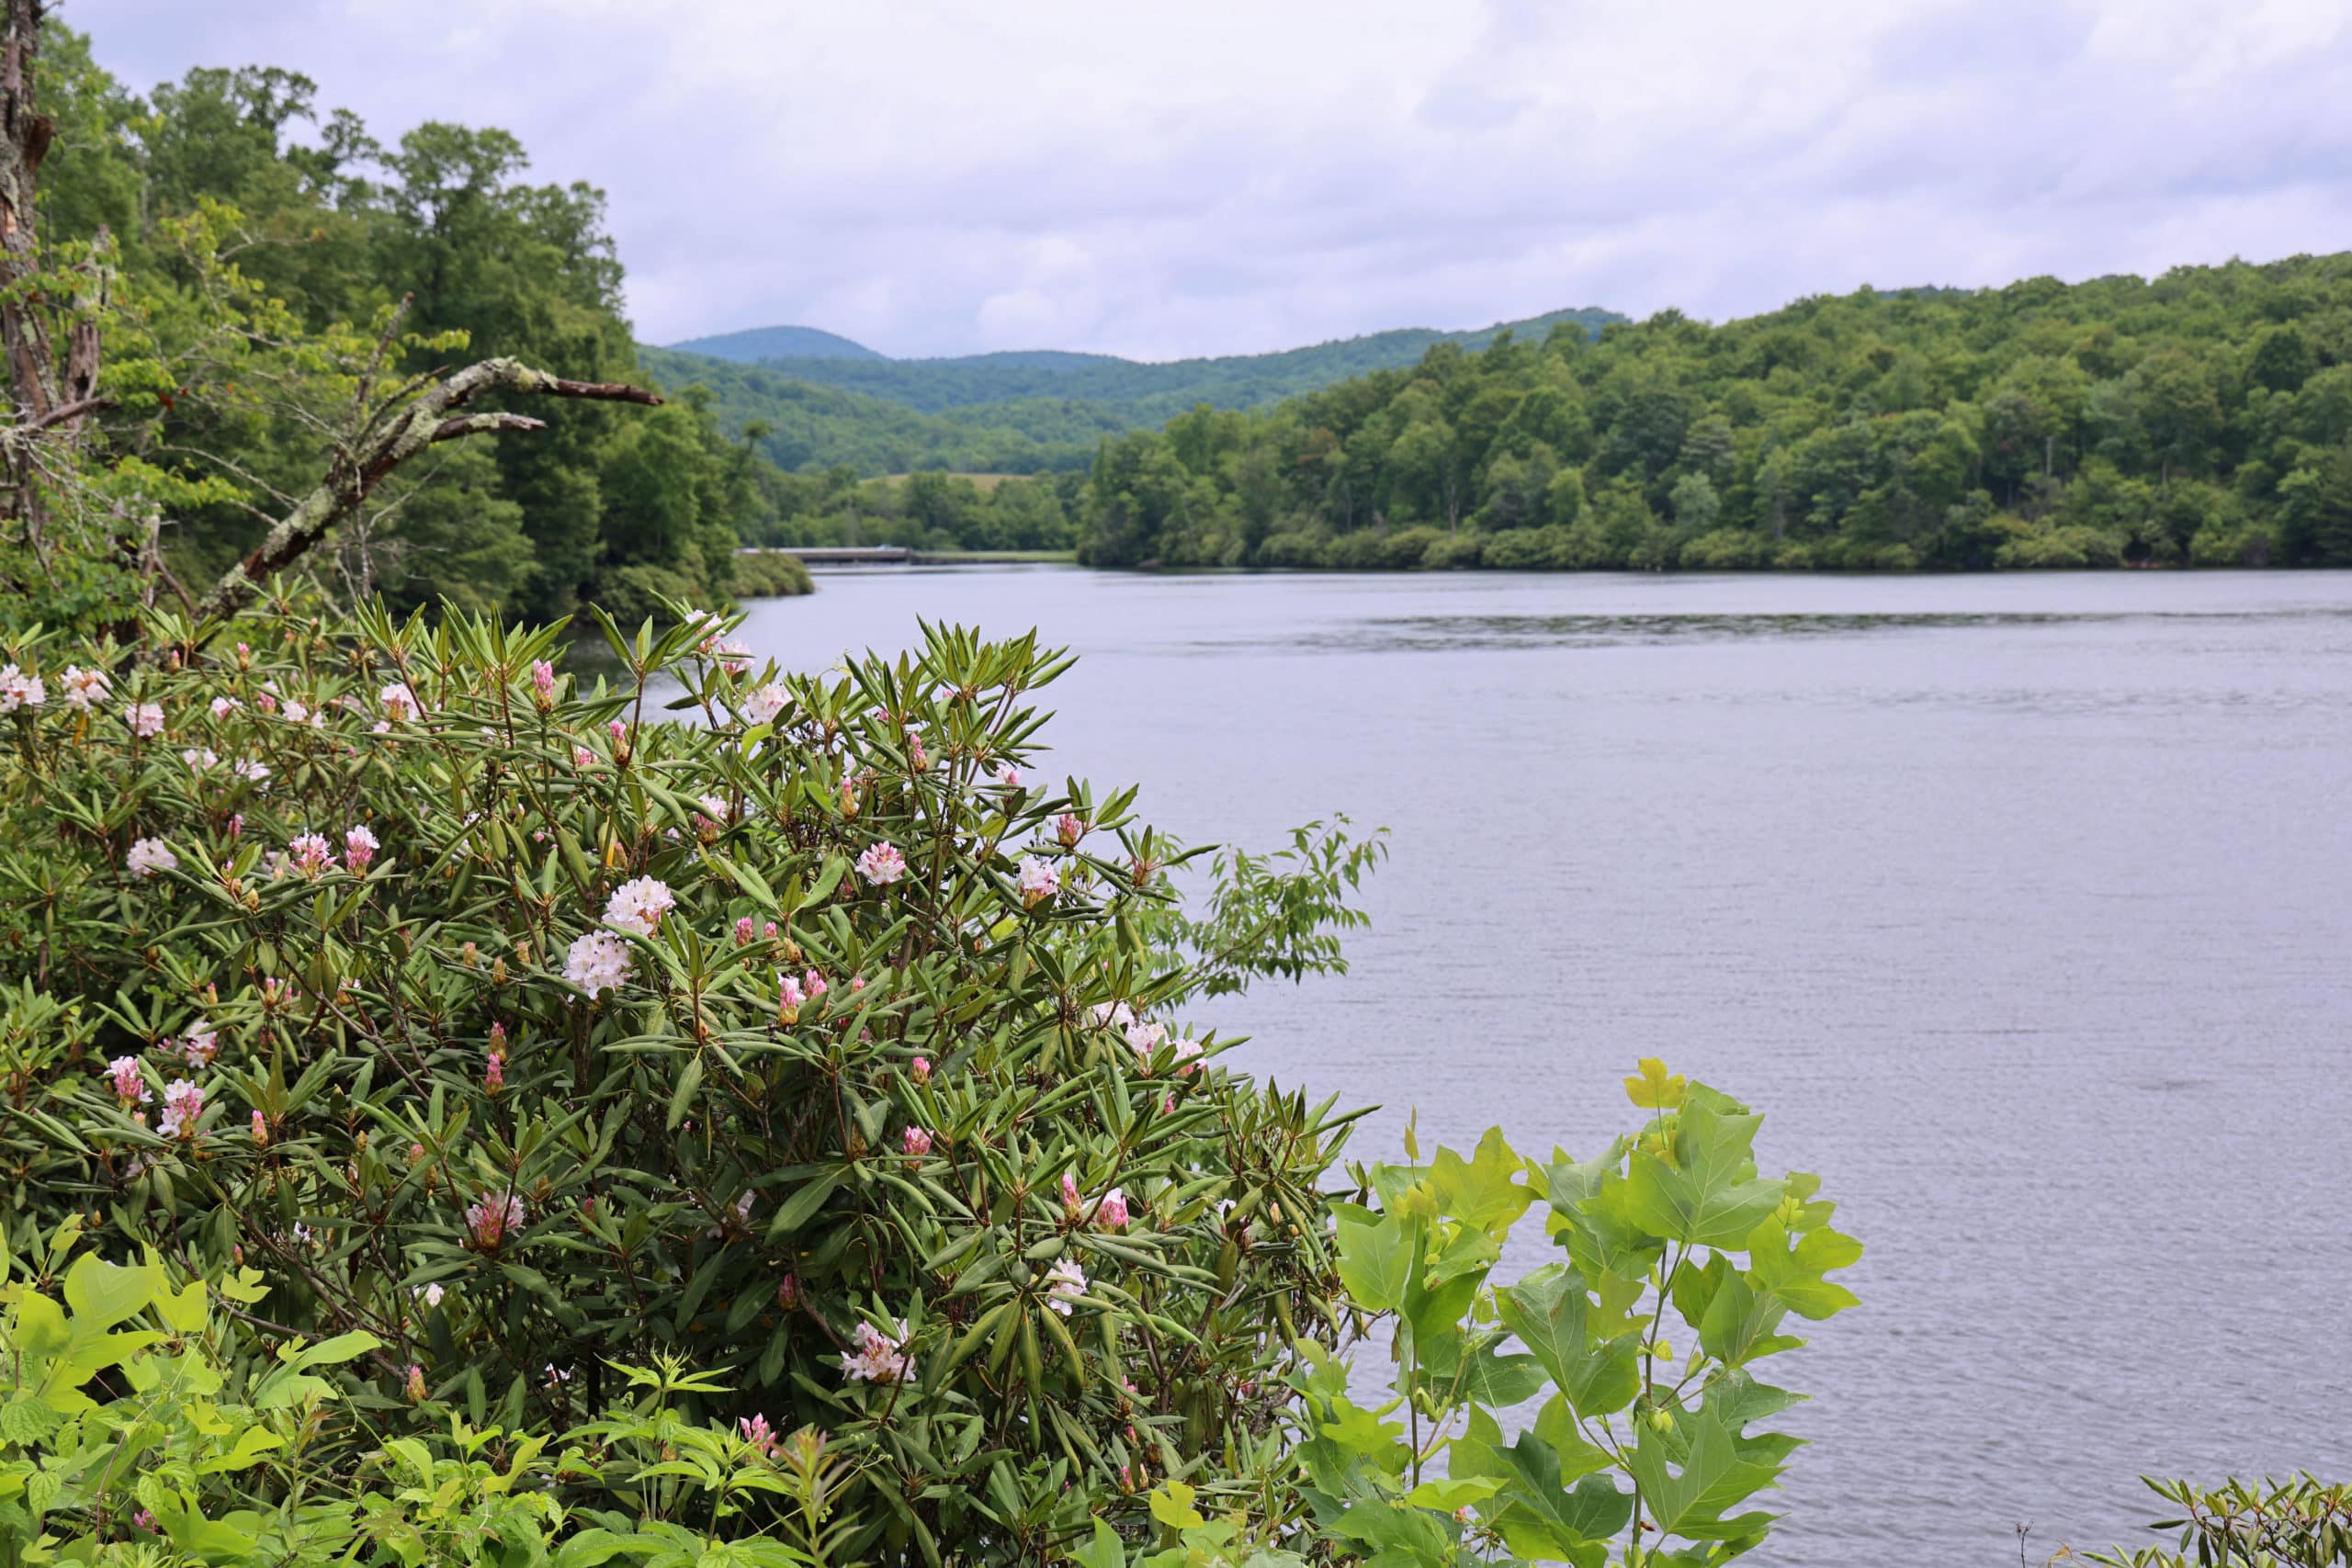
x=1216 y=177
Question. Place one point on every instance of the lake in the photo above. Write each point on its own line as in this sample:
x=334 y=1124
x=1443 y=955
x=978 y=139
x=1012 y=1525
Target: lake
x=2021 y=905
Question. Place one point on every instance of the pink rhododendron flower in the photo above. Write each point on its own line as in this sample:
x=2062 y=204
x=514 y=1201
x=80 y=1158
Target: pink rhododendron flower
x=815 y=984
x=583 y=758
x=359 y=847
x=85 y=689
x=252 y=771
x=265 y=701
x=129 y=1087
x=414 y=1385
x=493 y=1071
x=144 y=718
x=639 y=905
x=1070 y=1194
x=237 y=826
x=764 y=704
x=882 y=864
x=182 y=1103
x=597 y=961
x=1111 y=1214
x=201 y=1043
x=756 y=1432
x=789 y=996
x=1069 y=828
x=200 y=758
x=1009 y=777
x=310 y=853
x=916 y=761
x=917 y=1141
x=543 y=683
x=787 y=1292
x=921 y=1068
x=879 y=1357
x=297 y=711
x=1186 y=1051
x=399 y=703
x=491 y=1220
x=745 y=928
x=223 y=706
x=148 y=856
x=1037 y=881
x=1066 y=1281
x=260 y=1130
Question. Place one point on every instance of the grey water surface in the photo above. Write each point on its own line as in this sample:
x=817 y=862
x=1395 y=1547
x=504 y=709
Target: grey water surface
x=2021 y=905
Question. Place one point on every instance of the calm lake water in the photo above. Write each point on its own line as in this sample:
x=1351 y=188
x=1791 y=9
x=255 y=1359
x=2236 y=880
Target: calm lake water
x=2021 y=905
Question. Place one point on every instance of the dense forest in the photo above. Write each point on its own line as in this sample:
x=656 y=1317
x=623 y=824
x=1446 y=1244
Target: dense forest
x=814 y=399
x=2202 y=418
x=256 y=251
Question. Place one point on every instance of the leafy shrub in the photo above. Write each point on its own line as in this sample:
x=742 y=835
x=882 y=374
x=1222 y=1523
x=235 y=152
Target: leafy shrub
x=819 y=1041
x=2067 y=545
x=1454 y=552
x=1726 y=549
x=2299 y=1522
x=1408 y=547
x=1632 y=1436
x=1290 y=549
x=1521 y=549
x=769 y=574
x=1366 y=549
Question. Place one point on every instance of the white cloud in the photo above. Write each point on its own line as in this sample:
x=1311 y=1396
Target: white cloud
x=1228 y=176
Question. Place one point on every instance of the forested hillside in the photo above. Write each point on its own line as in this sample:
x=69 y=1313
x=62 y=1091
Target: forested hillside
x=258 y=249
x=2200 y=418
x=1025 y=413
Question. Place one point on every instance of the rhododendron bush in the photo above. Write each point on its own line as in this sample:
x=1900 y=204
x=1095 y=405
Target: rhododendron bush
x=823 y=1038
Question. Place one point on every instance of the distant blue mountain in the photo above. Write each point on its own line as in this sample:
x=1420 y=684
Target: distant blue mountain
x=1028 y=410
x=756 y=344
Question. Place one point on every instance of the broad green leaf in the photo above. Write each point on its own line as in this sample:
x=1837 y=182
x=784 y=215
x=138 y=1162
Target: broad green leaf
x=1654 y=1090
x=102 y=1294
x=1376 y=1260
x=1686 y=1492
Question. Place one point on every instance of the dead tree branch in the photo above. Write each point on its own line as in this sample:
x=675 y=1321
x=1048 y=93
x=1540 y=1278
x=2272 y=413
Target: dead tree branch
x=390 y=441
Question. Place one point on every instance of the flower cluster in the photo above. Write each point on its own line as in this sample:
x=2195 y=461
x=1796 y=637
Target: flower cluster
x=879 y=1357
x=20 y=690
x=882 y=864
x=491 y=1220
x=182 y=1103
x=637 y=906
x=597 y=961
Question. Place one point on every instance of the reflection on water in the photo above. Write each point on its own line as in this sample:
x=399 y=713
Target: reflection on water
x=2018 y=904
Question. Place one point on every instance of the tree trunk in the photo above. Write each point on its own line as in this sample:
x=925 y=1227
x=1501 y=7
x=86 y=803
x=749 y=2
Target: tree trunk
x=32 y=374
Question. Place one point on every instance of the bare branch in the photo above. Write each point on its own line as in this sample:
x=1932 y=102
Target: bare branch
x=484 y=425
x=391 y=441
x=64 y=411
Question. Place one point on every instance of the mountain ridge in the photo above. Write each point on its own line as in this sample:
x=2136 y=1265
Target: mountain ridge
x=1021 y=411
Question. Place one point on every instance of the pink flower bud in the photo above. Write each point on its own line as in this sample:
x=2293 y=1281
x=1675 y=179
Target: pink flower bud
x=1069 y=828
x=922 y=1069
x=237 y=826
x=260 y=1131
x=917 y=1141
x=415 y=1384
x=743 y=929
x=787 y=1292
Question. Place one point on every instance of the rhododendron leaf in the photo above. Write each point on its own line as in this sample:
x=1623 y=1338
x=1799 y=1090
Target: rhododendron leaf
x=836 y=866
x=1655 y=1089
x=796 y=1210
x=681 y=1095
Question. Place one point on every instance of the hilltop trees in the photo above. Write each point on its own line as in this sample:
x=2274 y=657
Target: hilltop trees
x=2202 y=418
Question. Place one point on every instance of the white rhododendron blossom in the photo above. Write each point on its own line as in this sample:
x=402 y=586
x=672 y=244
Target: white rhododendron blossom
x=200 y=759
x=144 y=718
x=764 y=704
x=223 y=706
x=148 y=856
x=1038 y=881
x=398 y=702
x=879 y=1357
x=85 y=689
x=20 y=690
x=598 y=961
x=639 y=905
x=882 y=864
